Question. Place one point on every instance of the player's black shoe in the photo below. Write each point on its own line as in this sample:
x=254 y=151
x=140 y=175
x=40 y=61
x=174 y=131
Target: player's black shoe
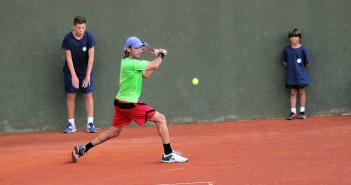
x=292 y=116
x=302 y=115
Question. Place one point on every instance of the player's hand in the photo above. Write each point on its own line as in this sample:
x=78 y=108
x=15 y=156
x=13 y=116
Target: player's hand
x=86 y=82
x=155 y=53
x=75 y=82
x=162 y=51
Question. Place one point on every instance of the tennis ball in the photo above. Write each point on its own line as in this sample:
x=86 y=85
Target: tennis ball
x=195 y=81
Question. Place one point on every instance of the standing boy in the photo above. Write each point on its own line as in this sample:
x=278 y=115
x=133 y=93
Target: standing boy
x=129 y=108
x=78 y=71
x=296 y=60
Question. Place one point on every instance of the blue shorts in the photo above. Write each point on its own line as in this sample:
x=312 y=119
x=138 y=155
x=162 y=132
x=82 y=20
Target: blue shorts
x=69 y=87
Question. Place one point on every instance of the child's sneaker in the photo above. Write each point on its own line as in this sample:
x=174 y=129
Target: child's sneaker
x=173 y=157
x=302 y=115
x=292 y=116
x=70 y=128
x=77 y=152
x=91 y=128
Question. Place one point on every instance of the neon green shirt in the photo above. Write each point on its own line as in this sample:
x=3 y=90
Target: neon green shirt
x=131 y=79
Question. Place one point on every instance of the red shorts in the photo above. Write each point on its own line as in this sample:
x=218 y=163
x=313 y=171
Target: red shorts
x=126 y=112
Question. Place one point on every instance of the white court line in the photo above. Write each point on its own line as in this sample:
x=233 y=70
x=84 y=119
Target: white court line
x=189 y=183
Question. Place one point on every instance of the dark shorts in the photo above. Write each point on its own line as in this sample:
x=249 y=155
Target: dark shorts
x=69 y=87
x=296 y=86
x=126 y=112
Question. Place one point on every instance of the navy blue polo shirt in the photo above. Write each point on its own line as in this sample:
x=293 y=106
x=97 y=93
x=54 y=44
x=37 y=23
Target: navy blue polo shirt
x=79 y=50
x=296 y=71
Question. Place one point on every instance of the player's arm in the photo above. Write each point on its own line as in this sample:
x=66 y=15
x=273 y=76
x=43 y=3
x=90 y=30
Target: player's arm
x=153 y=65
x=75 y=81
x=308 y=64
x=91 y=54
x=147 y=74
x=284 y=63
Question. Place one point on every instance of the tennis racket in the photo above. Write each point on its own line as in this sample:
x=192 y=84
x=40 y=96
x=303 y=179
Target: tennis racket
x=145 y=48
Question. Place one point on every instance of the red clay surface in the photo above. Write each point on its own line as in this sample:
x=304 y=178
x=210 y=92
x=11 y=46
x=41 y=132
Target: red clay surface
x=312 y=151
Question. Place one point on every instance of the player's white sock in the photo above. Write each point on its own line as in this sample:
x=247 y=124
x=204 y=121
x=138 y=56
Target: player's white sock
x=90 y=120
x=293 y=110
x=302 y=109
x=71 y=121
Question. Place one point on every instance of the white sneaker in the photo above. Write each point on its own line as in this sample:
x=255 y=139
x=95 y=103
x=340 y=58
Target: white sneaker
x=70 y=128
x=91 y=128
x=173 y=157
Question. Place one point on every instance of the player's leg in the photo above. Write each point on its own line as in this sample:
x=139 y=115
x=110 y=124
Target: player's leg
x=119 y=120
x=162 y=129
x=70 y=102
x=71 y=97
x=106 y=135
x=302 y=94
x=81 y=150
x=89 y=102
x=89 y=105
x=293 y=95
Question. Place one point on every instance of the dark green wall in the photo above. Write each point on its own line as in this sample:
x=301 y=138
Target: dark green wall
x=233 y=47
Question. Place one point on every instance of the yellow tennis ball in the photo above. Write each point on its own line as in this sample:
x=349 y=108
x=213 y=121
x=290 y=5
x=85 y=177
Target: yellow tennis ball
x=195 y=81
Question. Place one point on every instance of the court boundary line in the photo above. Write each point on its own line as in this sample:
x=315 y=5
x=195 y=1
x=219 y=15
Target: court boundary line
x=188 y=183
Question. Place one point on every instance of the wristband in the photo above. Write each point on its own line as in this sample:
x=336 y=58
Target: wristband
x=161 y=55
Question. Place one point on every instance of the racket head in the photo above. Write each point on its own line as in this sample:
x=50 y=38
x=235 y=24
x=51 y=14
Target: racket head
x=145 y=48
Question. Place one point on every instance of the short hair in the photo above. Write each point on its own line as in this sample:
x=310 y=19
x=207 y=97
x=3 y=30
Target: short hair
x=295 y=33
x=79 y=20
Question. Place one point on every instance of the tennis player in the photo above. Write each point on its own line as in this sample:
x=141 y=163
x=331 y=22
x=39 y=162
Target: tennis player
x=127 y=105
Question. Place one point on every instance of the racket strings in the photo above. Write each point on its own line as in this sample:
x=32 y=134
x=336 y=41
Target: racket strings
x=145 y=47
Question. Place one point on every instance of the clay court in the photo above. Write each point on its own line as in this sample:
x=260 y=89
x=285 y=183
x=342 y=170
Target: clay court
x=271 y=151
